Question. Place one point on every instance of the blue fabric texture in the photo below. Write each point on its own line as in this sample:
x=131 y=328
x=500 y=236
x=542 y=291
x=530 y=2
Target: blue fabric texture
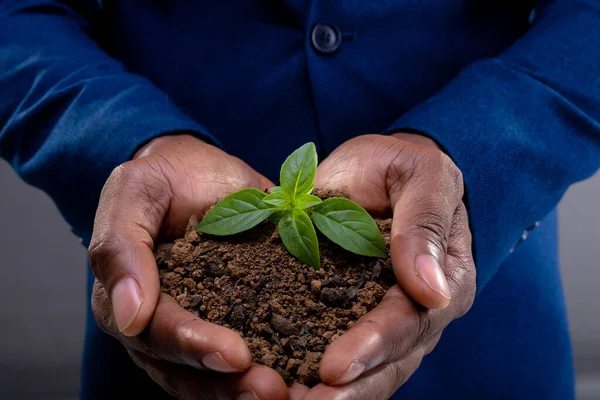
x=513 y=97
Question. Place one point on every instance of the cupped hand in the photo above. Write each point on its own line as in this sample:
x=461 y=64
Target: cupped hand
x=409 y=177
x=154 y=195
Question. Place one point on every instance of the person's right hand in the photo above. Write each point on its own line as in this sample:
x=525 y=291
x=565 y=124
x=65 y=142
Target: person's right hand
x=170 y=179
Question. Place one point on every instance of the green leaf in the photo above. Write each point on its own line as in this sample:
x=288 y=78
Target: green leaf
x=236 y=213
x=299 y=237
x=299 y=169
x=280 y=199
x=350 y=226
x=307 y=200
x=276 y=216
x=276 y=189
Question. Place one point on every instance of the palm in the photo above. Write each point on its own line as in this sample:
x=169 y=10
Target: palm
x=197 y=176
x=361 y=169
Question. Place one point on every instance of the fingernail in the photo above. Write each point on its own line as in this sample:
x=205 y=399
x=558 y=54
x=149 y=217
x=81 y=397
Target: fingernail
x=126 y=302
x=216 y=362
x=249 y=395
x=354 y=371
x=430 y=271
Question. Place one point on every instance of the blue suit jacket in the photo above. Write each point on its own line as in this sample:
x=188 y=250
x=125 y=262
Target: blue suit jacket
x=512 y=94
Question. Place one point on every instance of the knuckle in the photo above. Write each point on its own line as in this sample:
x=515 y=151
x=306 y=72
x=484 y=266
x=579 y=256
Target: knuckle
x=463 y=279
x=435 y=160
x=375 y=329
x=461 y=232
x=148 y=178
x=399 y=374
x=155 y=187
x=450 y=168
x=457 y=175
x=453 y=174
x=183 y=340
x=431 y=224
x=102 y=251
x=464 y=276
x=448 y=171
x=402 y=167
x=102 y=310
x=115 y=178
x=439 y=159
x=466 y=234
x=125 y=173
x=175 y=348
x=424 y=329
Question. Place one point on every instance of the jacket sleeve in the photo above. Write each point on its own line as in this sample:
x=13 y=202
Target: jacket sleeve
x=69 y=113
x=522 y=126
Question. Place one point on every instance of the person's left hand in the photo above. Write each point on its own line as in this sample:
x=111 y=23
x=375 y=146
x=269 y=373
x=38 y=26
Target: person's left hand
x=408 y=176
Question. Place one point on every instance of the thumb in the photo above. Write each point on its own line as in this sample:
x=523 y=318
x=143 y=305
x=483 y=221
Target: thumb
x=132 y=206
x=424 y=206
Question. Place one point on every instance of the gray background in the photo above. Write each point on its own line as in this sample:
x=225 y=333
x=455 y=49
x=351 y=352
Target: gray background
x=42 y=291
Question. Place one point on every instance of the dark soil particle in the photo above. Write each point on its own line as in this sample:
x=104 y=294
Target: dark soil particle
x=286 y=311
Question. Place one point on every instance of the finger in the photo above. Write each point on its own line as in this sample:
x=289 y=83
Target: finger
x=178 y=336
x=298 y=391
x=388 y=333
x=132 y=206
x=183 y=382
x=424 y=207
x=378 y=384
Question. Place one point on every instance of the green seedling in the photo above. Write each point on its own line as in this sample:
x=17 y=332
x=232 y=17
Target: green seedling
x=294 y=209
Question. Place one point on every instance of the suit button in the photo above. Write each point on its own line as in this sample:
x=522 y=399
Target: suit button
x=325 y=38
